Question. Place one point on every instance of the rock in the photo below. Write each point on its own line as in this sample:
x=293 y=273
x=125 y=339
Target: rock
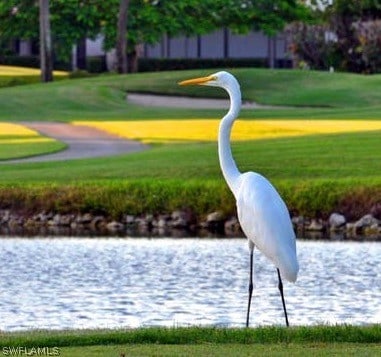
x=178 y=214
x=31 y=223
x=54 y=221
x=60 y=220
x=180 y=223
x=182 y=219
x=216 y=216
x=350 y=227
x=115 y=226
x=143 y=224
x=366 y=221
x=336 y=220
x=84 y=218
x=42 y=217
x=372 y=230
x=129 y=220
x=5 y=216
x=316 y=225
x=149 y=218
x=15 y=222
x=232 y=226
x=97 y=222
x=66 y=220
x=162 y=222
x=298 y=221
x=215 y=222
x=375 y=210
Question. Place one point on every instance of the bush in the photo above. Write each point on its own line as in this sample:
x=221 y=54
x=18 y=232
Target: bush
x=96 y=64
x=168 y=64
x=31 y=62
x=21 y=61
x=310 y=44
x=368 y=34
x=79 y=73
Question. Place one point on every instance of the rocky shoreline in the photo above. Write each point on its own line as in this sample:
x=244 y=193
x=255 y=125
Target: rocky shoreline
x=178 y=224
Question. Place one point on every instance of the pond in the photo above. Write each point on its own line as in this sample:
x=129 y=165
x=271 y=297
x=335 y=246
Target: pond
x=127 y=282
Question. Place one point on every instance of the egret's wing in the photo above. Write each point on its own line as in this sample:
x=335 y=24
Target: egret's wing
x=265 y=220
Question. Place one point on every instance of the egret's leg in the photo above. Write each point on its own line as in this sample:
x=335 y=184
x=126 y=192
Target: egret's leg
x=280 y=286
x=251 y=247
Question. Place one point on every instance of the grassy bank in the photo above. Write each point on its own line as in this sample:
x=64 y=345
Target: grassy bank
x=315 y=174
x=115 y=198
x=319 y=340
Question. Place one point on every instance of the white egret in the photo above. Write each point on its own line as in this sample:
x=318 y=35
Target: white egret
x=263 y=216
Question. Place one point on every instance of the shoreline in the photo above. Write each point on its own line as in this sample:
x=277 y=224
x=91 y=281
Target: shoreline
x=180 y=224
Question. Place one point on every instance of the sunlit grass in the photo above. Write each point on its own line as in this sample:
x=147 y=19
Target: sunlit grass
x=24 y=71
x=151 y=131
x=15 y=130
x=18 y=141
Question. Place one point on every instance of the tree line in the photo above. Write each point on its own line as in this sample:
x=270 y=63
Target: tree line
x=343 y=34
x=60 y=24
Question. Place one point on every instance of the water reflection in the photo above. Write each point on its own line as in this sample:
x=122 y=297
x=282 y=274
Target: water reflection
x=95 y=283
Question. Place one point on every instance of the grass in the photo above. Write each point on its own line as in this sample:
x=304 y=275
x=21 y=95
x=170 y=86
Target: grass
x=314 y=173
x=16 y=71
x=319 y=340
x=185 y=130
x=317 y=95
x=13 y=76
x=17 y=141
x=353 y=156
x=233 y=350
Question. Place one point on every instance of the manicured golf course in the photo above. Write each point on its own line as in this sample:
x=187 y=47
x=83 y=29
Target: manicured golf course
x=322 y=150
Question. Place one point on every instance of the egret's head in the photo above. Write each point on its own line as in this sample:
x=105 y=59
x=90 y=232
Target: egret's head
x=220 y=79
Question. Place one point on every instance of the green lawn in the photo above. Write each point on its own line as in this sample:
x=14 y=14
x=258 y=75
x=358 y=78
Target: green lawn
x=231 y=350
x=20 y=149
x=279 y=341
x=337 y=95
x=337 y=157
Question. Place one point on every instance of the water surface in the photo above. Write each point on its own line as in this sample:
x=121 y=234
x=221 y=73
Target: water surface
x=107 y=283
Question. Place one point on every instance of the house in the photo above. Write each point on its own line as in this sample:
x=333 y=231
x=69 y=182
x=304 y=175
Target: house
x=220 y=44
x=223 y=44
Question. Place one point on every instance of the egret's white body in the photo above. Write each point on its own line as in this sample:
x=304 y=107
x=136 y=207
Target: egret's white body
x=263 y=216
x=265 y=220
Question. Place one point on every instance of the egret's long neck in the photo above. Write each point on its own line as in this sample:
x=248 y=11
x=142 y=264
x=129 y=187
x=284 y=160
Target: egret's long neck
x=227 y=163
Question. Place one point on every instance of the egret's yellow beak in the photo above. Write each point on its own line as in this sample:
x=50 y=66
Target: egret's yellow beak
x=200 y=80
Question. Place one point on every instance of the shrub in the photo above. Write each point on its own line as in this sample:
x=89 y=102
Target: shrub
x=168 y=64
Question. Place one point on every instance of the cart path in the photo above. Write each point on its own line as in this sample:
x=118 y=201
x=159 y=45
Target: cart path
x=83 y=142
x=86 y=142
x=155 y=100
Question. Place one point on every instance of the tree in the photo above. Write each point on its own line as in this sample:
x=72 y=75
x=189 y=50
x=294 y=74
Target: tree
x=150 y=20
x=269 y=16
x=350 y=37
x=121 y=41
x=147 y=20
x=46 y=60
x=70 y=21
